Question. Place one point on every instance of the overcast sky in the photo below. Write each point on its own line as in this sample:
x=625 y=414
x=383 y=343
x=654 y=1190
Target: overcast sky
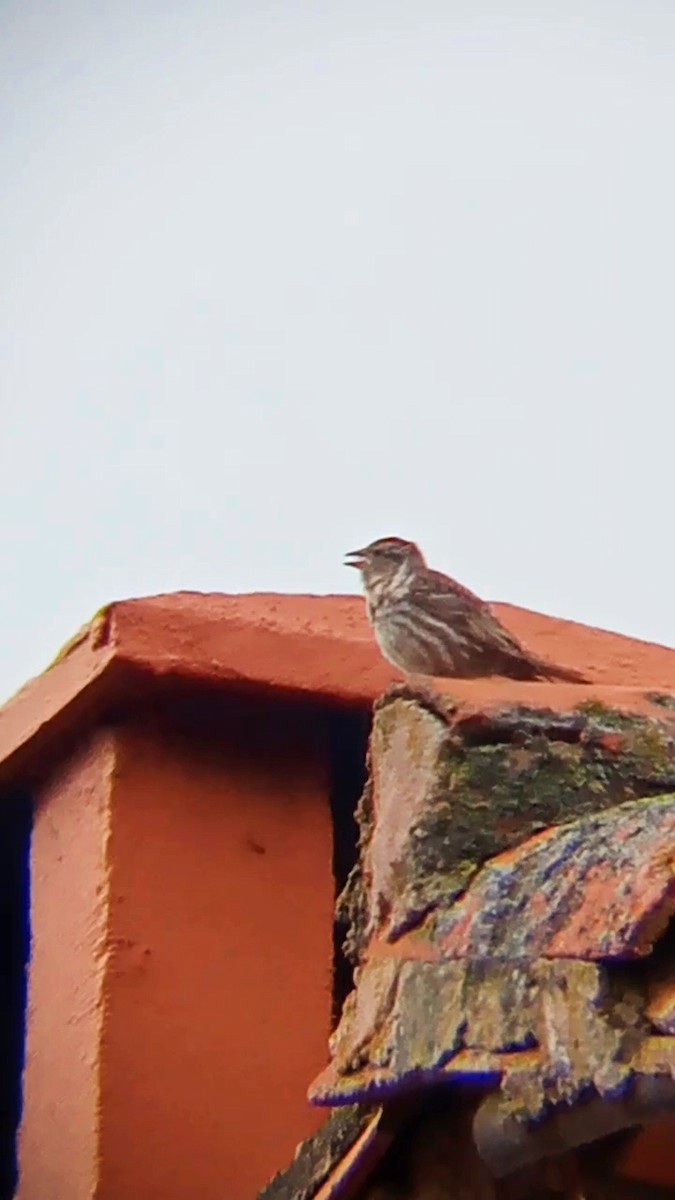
x=279 y=278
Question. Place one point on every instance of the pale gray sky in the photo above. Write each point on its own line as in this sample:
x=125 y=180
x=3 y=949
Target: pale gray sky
x=279 y=278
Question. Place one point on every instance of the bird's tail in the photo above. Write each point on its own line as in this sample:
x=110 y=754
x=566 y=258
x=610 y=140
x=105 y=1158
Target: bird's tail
x=547 y=670
x=526 y=665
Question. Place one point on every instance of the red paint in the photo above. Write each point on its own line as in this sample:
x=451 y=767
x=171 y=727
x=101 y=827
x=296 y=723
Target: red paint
x=180 y=982
x=59 y=1136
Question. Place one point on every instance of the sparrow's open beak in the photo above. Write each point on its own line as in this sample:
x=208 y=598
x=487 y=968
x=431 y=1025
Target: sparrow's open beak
x=354 y=558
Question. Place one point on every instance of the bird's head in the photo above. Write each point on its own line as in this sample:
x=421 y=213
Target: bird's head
x=385 y=559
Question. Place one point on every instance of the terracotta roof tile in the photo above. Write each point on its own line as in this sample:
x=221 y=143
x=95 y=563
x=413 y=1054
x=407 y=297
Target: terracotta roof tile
x=517 y=872
x=481 y=982
x=450 y=791
x=602 y=887
x=319 y=646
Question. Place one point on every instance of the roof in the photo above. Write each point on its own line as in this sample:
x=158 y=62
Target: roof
x=311 y=646
x=510 y=918
x=487 y=819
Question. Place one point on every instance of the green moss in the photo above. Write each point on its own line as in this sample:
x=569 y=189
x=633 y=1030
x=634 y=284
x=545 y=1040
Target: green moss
x=662 y=699
x=649 y=746
x=487 y=798
x=90 y=630
x=490 y=798
x=595 y=710
x=351 y=909
x=600 y=717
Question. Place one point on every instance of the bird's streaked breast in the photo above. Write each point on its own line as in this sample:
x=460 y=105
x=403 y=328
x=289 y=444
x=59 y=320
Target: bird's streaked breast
x=416 y=641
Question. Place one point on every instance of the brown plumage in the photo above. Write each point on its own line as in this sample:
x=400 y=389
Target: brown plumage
x=428 y=624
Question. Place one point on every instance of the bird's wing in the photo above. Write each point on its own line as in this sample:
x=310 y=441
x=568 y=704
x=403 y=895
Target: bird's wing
x=464 y=611
x=438 y=584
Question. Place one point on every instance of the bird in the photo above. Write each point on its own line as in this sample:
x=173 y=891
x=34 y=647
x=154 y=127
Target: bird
x=428 y=625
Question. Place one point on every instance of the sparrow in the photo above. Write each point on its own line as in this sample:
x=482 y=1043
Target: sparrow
x=427 y=624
